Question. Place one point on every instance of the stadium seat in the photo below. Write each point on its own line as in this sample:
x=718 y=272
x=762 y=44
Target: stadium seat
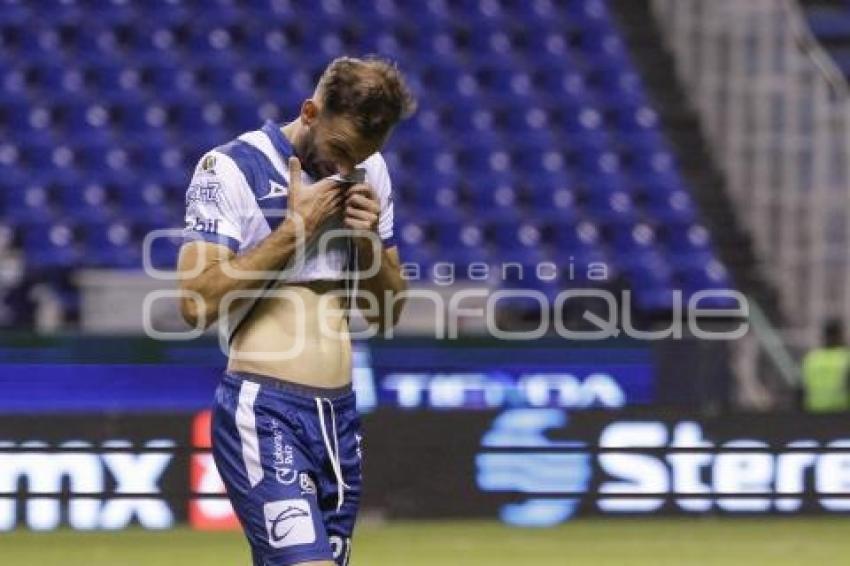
x=580 y=241
x=687 y=238
x=706 y=278
x=83 y=202
x=675 y=208
x=50 y=245
x=652 y=281
x=638 y=119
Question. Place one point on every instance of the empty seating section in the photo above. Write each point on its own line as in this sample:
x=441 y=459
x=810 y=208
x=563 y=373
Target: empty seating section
x=535 y=140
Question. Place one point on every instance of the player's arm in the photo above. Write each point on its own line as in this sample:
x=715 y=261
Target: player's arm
x=363 y=213
x=211 y=271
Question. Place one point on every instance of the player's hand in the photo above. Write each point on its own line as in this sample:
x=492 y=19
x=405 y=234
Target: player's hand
x=362 y=209
x=312 y=204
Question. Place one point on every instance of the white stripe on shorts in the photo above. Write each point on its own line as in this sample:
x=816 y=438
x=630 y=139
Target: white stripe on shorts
x=247 y=425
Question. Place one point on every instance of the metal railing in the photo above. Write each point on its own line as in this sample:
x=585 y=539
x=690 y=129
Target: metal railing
x=775 y=110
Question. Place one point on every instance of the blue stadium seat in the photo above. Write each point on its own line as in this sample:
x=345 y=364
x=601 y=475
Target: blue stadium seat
x=84 y=203
x=15 y=14
x=492 y=195
x=634 y=242
x=637 y=119
x=652 y=282
x=159 y=75
x=562 y=85
x=604 y=47
x=675 y=207
x=421 y=255
x=111 y=244
x=37 y=154
x=687 y=238
x=164 y=250
x=468 y=116
x=579 y=240
x=643 y=141
x=50 y=245
x=582 y=119
x=712 y=276
x=88 y=119
x=661 y=184
x=558 y=199
x=442 y=193
x=619 y=90
x=602 y=184
x=612 y=208
x=28 y=202
x=411 y=232
x=830 y=23
x=651 y=160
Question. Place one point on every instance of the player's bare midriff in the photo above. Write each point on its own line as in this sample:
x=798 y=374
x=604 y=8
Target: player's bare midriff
x=300 y=336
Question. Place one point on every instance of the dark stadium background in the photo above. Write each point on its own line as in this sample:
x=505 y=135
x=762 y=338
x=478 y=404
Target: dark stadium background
x=693 y=150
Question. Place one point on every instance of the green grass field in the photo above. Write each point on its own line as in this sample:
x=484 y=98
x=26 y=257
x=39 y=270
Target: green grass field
x=774 y=542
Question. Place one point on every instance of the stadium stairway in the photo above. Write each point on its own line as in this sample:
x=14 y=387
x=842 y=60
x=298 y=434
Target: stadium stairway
x=681 y=125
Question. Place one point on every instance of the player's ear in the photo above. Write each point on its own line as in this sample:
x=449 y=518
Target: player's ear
x=309 y=112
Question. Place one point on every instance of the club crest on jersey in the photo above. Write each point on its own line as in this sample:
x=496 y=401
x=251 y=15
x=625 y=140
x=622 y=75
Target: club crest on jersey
x=208 y=164
x=276 y=190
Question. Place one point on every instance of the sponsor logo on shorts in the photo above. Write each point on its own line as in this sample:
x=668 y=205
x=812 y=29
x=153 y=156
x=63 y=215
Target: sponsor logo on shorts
x=306 y=483
x=283 y=456
x=289 y=523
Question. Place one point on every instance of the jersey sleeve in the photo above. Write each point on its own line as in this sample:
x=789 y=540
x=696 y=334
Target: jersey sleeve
x=213 y=213
x=383 y=188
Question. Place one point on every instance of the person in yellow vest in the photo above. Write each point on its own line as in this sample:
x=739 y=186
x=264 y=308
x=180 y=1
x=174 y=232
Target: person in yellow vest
x=825 y=369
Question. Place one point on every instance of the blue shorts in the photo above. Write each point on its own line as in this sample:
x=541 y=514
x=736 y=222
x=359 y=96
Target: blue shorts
x=290 y=459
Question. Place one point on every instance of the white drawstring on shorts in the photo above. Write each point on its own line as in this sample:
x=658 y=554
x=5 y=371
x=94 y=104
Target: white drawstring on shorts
x=332 y=449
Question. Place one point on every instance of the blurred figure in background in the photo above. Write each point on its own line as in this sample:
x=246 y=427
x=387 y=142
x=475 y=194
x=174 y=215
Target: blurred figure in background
x=825 y=384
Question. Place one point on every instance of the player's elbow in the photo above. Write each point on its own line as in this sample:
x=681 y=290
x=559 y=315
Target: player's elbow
x=196 y=311
x=392 y=310
x=384 y=317
x=190 y=311
x=382 y=323
x=394 y=313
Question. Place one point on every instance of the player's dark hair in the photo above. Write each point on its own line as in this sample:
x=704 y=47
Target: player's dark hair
x=371 y=91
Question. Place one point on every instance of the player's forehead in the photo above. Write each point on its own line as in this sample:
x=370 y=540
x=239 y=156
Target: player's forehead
x=342 y=135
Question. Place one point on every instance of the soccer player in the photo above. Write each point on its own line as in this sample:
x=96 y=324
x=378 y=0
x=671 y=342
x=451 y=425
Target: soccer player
x=286 y=436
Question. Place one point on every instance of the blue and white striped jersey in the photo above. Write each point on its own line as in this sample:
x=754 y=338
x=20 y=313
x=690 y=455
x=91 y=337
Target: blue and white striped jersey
x=238 y=193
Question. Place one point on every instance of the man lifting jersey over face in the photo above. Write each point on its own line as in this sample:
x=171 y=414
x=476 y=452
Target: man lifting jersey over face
x=286 y=227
